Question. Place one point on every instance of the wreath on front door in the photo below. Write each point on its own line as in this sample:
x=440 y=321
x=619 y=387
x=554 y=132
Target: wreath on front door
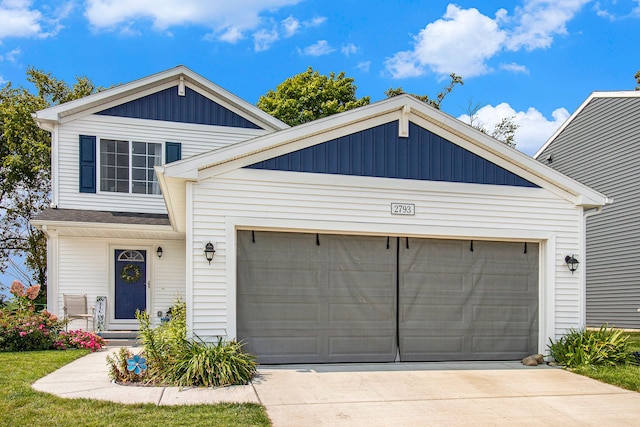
x=130 y=273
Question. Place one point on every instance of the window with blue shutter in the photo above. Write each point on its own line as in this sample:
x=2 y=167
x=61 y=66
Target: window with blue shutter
x=87 y=164
x=173 y=152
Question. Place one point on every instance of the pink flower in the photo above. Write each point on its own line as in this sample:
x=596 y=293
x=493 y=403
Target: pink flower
x=23 y=334
x=17 y=288
x=33 y=291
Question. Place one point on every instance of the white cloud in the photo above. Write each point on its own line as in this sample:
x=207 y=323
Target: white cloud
x=515 y=68
x=316 y=22
x=320 y=48
x=534 y=129
x=263 y=39
x=364 y=66
x=11 y=55
x=539 y=20
x=291 y=26
x=463 y=41
x=18 y=18
x=229 y=19
x=348 y=49
x=460 y=42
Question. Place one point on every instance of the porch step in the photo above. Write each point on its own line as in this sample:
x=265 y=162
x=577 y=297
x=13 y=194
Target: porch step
x=121 y=338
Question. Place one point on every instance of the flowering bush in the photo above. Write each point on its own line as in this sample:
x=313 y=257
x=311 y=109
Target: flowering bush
x=79 y=339
x=23 y=331
x=21 y=327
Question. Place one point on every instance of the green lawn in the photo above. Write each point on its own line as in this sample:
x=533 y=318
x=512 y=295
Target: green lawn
x=20 y=405
x=627 y=376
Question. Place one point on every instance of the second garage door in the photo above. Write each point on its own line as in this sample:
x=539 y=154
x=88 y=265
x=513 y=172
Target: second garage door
x=308 y=298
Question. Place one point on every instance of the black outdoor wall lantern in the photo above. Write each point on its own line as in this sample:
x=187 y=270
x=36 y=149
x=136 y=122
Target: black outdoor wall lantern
x=572 y=263
x=159 y=251
x=209 y=251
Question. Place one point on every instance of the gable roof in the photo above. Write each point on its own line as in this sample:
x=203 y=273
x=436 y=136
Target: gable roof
x=613 y=95
x=403 y=109
x=179 y=76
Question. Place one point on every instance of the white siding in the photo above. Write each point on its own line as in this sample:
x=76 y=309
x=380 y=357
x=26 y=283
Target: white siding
x=297 y=201
x=195 y=139
x=85 y=264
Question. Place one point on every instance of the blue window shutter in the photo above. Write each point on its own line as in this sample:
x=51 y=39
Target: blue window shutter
x=87 y=164
x=173 y=152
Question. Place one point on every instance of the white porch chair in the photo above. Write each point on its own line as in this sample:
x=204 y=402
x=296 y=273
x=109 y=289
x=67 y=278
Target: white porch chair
x=75 y=307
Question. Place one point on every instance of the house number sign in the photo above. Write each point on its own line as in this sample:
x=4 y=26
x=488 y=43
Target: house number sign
x=403 y=209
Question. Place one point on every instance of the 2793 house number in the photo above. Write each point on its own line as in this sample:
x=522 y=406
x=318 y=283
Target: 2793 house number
x=403 y=209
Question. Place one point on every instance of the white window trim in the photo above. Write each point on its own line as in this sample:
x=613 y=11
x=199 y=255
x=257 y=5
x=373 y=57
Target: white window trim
x=130 y=141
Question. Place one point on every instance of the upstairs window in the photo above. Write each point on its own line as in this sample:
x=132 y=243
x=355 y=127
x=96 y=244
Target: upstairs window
x=127 y=166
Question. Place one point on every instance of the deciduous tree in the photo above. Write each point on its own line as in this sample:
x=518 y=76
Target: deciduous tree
x=25 y=167
x=455 y=80
x=310 y=96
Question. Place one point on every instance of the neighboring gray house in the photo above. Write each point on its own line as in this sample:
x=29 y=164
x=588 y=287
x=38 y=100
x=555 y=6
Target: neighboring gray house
x=600 y=146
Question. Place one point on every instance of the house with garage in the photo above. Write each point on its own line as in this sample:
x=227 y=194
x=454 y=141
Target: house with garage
x=391 y=232
x=599 y=145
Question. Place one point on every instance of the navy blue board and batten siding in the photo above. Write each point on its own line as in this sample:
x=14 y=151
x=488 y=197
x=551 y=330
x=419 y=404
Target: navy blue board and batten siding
x=380 y=152
x=192 y=108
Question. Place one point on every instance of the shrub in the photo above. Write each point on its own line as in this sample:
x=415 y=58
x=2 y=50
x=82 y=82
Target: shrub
x=165 y=344
x=79 y=339
x=172 y=359
x=213 y=365
x=22 y=328
x=605 y=346
x=25 y=331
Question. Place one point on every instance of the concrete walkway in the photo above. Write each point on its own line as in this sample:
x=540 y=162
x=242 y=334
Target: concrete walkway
x=425 y=394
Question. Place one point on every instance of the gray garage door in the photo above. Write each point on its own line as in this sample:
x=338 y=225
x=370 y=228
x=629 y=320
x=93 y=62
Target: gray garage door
x=307 y=298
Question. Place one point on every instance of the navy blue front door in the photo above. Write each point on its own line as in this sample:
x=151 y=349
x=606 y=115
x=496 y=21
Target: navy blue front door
x=131 y=283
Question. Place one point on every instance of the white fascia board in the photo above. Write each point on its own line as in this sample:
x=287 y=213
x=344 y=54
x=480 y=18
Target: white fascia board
x=100 y=225
x=513 y=160
x=354 y=120
x=248 y=152
x=106 y=96
x=150 y=84
x=222 y=96
x=597 y=94
x=174 y=194
x=166 y=195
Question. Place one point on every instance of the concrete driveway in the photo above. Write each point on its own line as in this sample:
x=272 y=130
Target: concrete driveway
x=441 y=394
x=394 y=394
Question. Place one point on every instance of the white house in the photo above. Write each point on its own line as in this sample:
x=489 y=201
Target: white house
x=388 y=232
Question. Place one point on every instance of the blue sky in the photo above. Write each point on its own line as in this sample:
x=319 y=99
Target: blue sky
x=536 y=60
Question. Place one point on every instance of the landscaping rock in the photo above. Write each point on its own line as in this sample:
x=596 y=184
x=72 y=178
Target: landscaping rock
x=533 y=360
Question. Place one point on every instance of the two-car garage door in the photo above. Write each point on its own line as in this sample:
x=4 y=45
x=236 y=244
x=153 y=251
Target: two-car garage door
x=309 y=298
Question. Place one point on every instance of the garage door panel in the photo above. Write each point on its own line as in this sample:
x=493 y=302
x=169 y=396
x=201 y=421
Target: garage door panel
x=505 y=283
x=501 y=313
x=348 y=280
x=509 y=345
x=413 y=346
x=353 y=315
x=333 y=298
x=277 y=314
x=421 y=315
x=486 y=309
x=440 y=283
